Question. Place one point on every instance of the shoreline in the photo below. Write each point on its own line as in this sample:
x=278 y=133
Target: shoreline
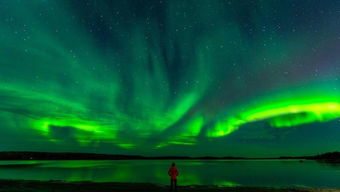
x=87 y=186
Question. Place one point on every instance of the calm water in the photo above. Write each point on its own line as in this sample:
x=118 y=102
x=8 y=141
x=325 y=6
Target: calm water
x=220 y=172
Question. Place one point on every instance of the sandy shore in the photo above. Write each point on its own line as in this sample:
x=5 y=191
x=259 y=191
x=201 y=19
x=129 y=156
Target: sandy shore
x=60 y=186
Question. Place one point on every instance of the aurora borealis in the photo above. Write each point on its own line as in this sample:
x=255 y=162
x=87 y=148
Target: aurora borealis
x=193 y=77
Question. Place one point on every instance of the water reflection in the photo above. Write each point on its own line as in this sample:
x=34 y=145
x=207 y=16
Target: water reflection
x=332 y=163
x=222 y=173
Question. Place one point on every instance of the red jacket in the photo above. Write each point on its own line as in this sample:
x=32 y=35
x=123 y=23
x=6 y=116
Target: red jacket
x=173 y=172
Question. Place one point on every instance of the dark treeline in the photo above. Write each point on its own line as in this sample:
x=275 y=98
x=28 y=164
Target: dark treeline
x=26 y=155
x=331 y=157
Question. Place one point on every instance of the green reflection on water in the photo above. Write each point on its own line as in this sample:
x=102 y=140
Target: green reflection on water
x=280 y=173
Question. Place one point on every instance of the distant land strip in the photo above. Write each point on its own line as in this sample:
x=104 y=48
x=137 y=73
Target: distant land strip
x=28 y=155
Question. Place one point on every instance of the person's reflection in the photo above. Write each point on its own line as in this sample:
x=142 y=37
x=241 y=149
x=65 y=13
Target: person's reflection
x=173 y=173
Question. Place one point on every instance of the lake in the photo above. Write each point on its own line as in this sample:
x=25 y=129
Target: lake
x=280 y=173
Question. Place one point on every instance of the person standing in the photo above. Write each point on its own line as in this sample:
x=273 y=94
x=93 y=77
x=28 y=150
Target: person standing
x=173 y=173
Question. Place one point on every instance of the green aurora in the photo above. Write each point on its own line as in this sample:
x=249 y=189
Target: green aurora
x=283 y=114
x=170 y=77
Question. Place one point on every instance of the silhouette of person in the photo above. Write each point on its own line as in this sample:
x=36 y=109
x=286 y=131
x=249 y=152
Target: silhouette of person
x=173 y=173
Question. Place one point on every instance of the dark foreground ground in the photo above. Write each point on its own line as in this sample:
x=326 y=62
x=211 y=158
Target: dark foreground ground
x=60 y=186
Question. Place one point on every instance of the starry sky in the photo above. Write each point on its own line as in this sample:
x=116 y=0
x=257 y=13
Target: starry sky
x=170 y=77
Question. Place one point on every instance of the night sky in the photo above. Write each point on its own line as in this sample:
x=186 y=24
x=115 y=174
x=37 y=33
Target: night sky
x=176 y=77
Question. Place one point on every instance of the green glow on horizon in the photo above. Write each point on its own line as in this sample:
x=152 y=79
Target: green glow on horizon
x=227 y=184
